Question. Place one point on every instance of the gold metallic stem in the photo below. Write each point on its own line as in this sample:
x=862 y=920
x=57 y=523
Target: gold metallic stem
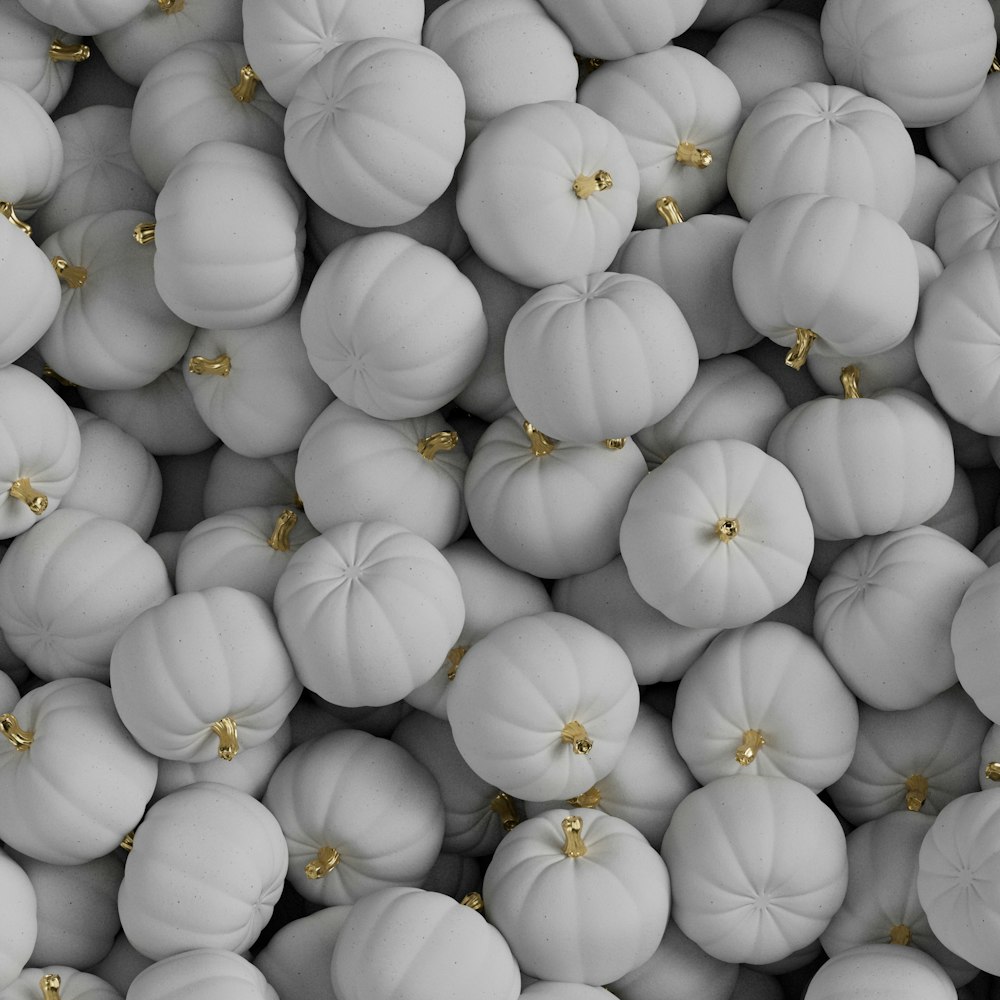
x=916 y=792
x=668 y=210
x=614 y=444
x=590 y=799
x=49 y=984
x=170 y=6
x=753 y=740
x=454 y=658
x=73 y=274
x=128 y=841
x=727 y=528
x=327 y=858
x=574 y=733
x=993 y=770
x=693 y=156
x=573 y=847
x=587 y=64
x=503 y=805
x=7 y=211
x=995 y=65
x=587 y=184
x=229 y=744
x=849 y=380
x=21 y=489
x=65 y=52
x=144 y=233
x=246 y=88
x=22 y=739
x=474 y=901
x=433 y=443
x=56 y=377
x=221 y=365
x=900 y=934
x=541 y=444
x=796 y=357
x=281 y=538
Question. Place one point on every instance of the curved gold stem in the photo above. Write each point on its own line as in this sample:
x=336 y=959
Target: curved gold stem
x=573 y=847
x=587 y=184
x=746 y=753
x=994 y=66
x=128 y=841
x=614 y=444
x=916 y=792
x=245 y=89
x=60 y=51
x=50 y=985
x=590 y=799
x=474 y=901
x=575 y=734
x=327 y=858
x=441 y=441
x=221 y=365
x=170 y=6
x=7 y=211
x=849 y=380
x=73 y=274
x=229 y=744
x=144 y=232
x=51 y=373
x=693 y=156
x=900 y=934
x=993 y=770
x=454 y=658
x=21 y=489
x=280 y=538
x=796 y=357
x=668 y=210
x=503 y=805
x=20 y=738
x=727 y=528
x=541 y=444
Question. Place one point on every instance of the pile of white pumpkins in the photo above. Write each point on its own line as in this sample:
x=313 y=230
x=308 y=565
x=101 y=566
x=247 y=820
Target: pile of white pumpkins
x=498 y=499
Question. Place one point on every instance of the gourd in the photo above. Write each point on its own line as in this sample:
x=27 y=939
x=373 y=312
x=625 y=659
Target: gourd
x=537 y=881
x=763 y=699
x=383 y=297
x=967 y=219
x=112 y=329
x=18 y=920
x=368 y=610
x=30 y=167
x=202 y=674
x=206 y=867
x=73 y=780
x=40 y=453
x=201 y=974
x=86 y=17
x=375 y=130
x=932 y=186
x=971 y=138
x=731 y=524
x=758 y=867
x=69 y=590
x=972 y=630
x=887 y=971
x=450 y=952
x=296 y=960
x=59 y=982
x=565 y=218
x=543 y=705
x=599 y=356
x=531 y=498
x=237 y=481
x=203 y=90
x=358 y=814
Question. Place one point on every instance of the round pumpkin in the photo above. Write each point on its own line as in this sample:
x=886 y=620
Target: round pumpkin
x=18 y=920
x=38 y=57
x=718 y=535
x=237 y=481
x=880 y=972
x=30 y=167
x=62 y=981
x=967 y=219
x=201 y=974
x=86 y=17
x=297 y=956
x=932 y=186
x=971 y=138
x=972 y=634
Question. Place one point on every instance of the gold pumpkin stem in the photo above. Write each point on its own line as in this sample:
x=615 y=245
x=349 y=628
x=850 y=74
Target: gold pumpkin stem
x=281 y=538
x=7 y=211
x=327 y=858
x=668 y=210
x=503 y=805
x=993 y=770
x=454 y=658
x=575 y=734
x=693 y=156
x=541 y=444
x=916 y=792
x=746 y=753
x=590 y=799
x=587 y=184
x=221 y=365
x=441 y=441
x=587 y=64
x=73 y=274
x=170 y=6
x=474 y=901
x=245 y=89
x=128 y=841
x=144 y=232
x=573 y=847
x=229 y=744
x=727 y=528
x=849 y=380
x=796 y=357
x=900 y=934
x=50 y=984
x=21 y=489
x=20 y=738
x=995 y=65
x=51 y=373
x=614 y=444
x=60 y=51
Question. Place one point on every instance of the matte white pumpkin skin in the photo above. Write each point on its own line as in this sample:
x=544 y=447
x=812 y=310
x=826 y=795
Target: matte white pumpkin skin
x=973 y=632
x=967 y=219
x=201 y=974
x=87 y=17
x=30 y=167
x=73 y=985
x=25 y=55
x=18 y=922
x=880 y=970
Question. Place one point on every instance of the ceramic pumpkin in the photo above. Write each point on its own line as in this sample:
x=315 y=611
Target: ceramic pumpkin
x=375 y=130
x=758 y=867
x=73 y=780
x=382 y=297
x=971 y=138
x=206 y=867
x=452 y=953
x=358 y=813
x=679 y=116
x=989 y=773
x=401 y=597
x=896 y=445
x=543 y=706
x=202 y=974
x=927 y=63
x=237 y=481
x=873 y=971
x=216 y=659
x=297 y=956
x=599 y=356
x=967 y=219
x=19 y=920
x=223 y=203
x=86 y=17
x=731 y=524
x=29 y=168
x=566 y=217
x=41 y=454
x=972 y=631
x=59 y=981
